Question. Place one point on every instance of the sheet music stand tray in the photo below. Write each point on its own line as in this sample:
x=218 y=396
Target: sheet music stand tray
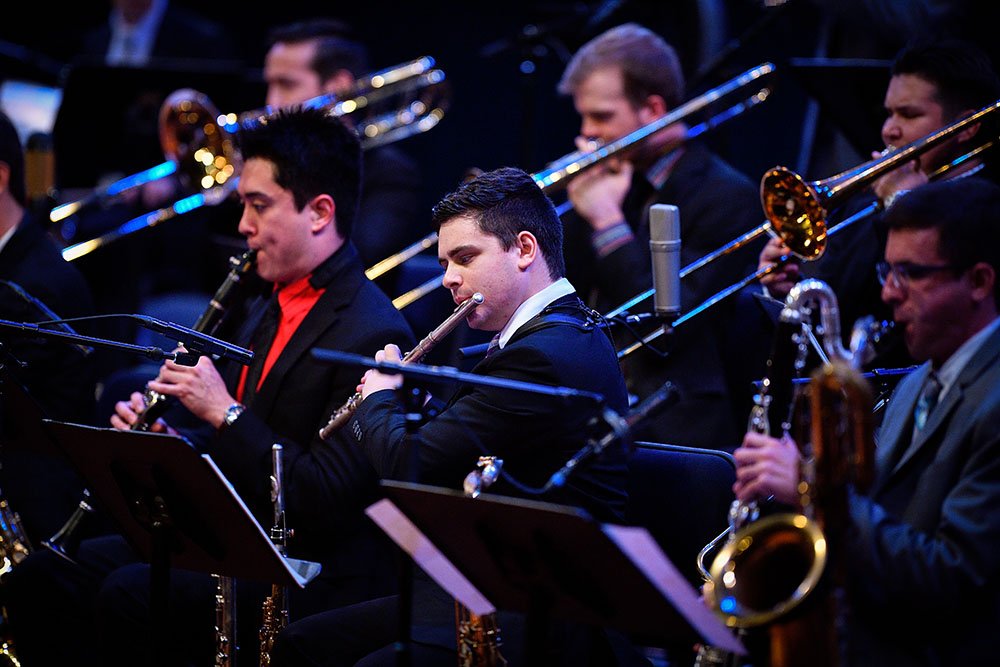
x=176 y=509
x=551 y=561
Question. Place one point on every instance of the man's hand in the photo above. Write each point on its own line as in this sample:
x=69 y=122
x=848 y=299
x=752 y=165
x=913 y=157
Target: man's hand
x=599 y=192
x=127 y=413
x=907 y=177
x=765 y=467
x=200 y=388
x=780 y=281
x=374 y=381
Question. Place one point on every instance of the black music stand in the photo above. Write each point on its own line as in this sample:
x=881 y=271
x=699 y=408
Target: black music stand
x=176 y=509
x=547 y=561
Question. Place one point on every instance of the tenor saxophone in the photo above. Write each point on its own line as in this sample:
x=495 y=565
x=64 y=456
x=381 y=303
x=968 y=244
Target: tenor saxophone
x=344 y=412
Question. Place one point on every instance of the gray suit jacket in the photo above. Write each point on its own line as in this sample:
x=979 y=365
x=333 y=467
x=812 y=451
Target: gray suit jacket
x=924 y=551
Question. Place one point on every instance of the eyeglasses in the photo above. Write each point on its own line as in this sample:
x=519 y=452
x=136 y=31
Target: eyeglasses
x=904 y=272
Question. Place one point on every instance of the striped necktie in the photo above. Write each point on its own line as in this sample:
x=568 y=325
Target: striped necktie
x=928 y=399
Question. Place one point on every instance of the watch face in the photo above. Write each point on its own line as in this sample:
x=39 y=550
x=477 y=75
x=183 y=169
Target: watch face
x=232 y=412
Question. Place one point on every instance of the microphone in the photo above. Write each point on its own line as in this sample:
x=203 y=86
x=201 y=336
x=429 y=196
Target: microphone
x=621 y=427
x=665 y=253
x=195 y=341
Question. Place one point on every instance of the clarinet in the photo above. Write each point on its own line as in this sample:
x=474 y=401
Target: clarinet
x=209 y=322
x=275 y=609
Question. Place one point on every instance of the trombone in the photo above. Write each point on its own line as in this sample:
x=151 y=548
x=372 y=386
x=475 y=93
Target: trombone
x=797 y=211
x=198 y=141
x=560 y=171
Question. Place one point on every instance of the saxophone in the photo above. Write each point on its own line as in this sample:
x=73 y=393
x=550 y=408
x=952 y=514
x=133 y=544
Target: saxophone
x=275 y=608
x=14 y=548
x=478 y=637
x=771 y=566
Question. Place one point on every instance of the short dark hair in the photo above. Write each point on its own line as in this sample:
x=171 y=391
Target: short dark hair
x=313 y=153
x=962 y=73
x=12 y=153
x=505 y=202
x=336 y=46
x=649 y=64
x=966 y=213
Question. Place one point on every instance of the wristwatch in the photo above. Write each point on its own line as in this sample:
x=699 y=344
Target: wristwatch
x=232 y=413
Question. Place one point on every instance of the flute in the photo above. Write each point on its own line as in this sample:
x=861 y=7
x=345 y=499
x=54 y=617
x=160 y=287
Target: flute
x=344 y=412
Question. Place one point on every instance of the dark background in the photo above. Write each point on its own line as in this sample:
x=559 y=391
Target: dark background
x=499 y=114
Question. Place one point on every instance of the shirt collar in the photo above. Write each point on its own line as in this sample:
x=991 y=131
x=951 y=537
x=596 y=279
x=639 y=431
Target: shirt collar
x=533 y=305
x=7 y=236
x=951 y=369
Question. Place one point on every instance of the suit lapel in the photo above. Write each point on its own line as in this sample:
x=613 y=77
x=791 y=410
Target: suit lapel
x=323 y=315
x=940 y=418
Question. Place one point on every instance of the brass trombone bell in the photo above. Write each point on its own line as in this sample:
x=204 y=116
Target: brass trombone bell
x=797 y=210
x=197 y=140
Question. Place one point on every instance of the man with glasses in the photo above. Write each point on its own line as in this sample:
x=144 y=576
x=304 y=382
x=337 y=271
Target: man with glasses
x=922 y=564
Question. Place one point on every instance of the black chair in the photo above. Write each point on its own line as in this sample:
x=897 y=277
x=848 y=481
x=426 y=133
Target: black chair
x=682 y=496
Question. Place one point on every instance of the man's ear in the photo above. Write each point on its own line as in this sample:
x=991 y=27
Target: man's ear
x=528 y=250
x=984 y=281
x=654 y=107
x=322 y=212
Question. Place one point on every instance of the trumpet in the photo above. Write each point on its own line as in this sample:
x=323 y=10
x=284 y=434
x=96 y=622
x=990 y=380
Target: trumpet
x=344 y=412
x=198 y=140
x=797 y=210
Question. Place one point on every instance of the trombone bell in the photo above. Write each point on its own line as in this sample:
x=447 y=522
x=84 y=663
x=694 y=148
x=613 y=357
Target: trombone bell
x=794 y=210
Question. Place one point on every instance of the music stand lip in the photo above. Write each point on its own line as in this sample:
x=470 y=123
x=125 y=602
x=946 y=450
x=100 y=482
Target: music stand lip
x=554 y=561
x=137 y=475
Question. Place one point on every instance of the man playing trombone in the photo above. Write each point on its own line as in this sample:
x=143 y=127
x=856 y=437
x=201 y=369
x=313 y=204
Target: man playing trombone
x=932 y=85
x=620 y=81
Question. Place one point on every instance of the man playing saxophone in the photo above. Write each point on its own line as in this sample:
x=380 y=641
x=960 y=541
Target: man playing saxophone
x=299 y=188
x=923 y=570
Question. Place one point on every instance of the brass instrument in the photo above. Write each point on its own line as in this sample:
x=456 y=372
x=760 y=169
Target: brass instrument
x=275 y=609
x=478 y=638
x=560 y=171
x=14 y=548
x=771 y=566
x=797 y=210
x=198 y=140
x=65 y=541
x=344 y=412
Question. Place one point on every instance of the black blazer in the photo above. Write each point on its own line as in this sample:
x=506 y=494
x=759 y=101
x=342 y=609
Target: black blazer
x=327 y=485
x=534 y=435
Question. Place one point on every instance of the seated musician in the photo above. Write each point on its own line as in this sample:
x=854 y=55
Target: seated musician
x=499 y=236
x=620 y=81
x=923 y=584
x=299 y=187
x=933 y=84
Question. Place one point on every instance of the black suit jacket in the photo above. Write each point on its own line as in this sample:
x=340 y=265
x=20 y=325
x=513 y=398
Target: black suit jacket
x=534 y=435
x=41 y=486
x=717 y=204
x=327 y=484
x=923 y=556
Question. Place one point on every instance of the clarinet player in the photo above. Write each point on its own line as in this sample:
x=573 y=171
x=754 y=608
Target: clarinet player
x=299 y=189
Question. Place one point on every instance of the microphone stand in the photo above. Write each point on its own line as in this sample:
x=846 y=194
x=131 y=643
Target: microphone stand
x=196 y=344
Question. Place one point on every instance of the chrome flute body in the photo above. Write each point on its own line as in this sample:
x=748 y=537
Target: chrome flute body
x=275 y=609
x=340 y=417
x=209 y=322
